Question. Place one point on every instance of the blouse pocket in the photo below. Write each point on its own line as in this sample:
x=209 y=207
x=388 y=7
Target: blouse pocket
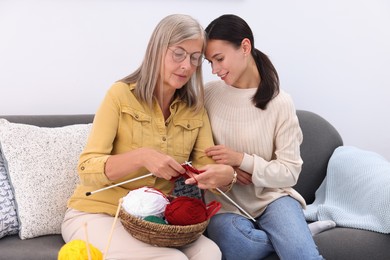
x=136 y=127
x=185 y=136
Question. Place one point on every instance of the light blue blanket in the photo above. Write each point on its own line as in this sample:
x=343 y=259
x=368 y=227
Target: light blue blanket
x=356 y=191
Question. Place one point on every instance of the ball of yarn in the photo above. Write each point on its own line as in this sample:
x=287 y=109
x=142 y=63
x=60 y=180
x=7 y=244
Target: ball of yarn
x=155 y=219
x=186 y=211
x=77 y=250
x=145 y=202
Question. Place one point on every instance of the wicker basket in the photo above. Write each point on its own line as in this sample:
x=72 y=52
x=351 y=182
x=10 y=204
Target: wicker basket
x=160 y=234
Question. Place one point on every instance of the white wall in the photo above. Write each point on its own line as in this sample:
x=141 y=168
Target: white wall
x=333 y=57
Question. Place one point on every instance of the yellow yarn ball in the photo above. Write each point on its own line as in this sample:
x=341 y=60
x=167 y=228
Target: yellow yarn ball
x=77 y=250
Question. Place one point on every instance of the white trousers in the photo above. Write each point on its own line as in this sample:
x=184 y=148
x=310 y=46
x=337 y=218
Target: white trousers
x=126 y=247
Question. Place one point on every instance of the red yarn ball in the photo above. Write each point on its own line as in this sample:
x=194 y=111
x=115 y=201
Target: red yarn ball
x=186 y=211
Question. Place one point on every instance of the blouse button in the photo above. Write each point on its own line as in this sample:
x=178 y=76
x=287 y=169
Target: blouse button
x=82 y=168
x=164 y=138
x=136 y=116
x=188 y=126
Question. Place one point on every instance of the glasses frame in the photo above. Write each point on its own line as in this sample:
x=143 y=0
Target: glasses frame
x=195 y=62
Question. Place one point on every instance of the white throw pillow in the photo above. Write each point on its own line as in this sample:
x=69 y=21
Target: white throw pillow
x=42 y=166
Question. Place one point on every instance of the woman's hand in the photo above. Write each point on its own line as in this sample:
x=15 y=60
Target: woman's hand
x=213 y=176
x=162 y=165
x=243 y=177
x=224 y=155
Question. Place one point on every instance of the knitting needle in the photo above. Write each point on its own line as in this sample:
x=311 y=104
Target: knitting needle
x=238 y=206
x=189 y=163
x=87 y=241
x=112 y=228
x=118 y=184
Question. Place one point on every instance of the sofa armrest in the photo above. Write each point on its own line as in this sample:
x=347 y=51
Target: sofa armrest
x=320 y=139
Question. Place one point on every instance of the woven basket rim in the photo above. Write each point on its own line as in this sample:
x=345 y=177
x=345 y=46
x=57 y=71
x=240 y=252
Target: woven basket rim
x=161 y=234
x=146 y=223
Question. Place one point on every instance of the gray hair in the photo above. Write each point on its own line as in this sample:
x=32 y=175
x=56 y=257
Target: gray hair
x=171 y=30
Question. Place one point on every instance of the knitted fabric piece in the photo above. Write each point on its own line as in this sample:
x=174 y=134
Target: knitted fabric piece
x=356 y=191
x=182 y=189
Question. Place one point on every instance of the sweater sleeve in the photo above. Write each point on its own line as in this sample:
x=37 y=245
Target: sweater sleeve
x=285 y=165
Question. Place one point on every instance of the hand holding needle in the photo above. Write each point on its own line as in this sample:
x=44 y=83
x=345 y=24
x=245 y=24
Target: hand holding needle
x=189 y=168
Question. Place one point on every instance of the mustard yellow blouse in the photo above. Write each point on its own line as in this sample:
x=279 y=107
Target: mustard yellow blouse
x=121 y=124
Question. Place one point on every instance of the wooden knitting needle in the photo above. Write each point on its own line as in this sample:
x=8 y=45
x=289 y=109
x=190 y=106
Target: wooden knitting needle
x=87 y=241
x=235 y=204
x=112 y=228
x=118 y=184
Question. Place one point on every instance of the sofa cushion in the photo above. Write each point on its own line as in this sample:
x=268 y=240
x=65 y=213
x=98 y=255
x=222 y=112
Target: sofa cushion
x=8 y=219
x=42 y=165
x=39 y=248
x=348 y=243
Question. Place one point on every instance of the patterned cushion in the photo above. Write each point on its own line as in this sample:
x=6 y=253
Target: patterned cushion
x=9 y=224
x=42 y=166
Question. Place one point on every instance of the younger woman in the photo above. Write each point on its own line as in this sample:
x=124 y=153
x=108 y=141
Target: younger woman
x=257 y=132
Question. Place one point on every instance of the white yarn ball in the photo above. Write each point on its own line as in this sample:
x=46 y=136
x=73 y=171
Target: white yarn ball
x=145 y=202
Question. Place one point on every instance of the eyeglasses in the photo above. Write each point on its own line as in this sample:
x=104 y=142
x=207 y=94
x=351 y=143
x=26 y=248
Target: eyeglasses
x=178 y=55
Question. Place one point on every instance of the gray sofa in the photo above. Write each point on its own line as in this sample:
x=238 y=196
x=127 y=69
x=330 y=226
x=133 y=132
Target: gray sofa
x=320 y=140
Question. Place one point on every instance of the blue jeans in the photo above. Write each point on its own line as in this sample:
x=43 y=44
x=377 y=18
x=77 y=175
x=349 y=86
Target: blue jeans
x=282 y=228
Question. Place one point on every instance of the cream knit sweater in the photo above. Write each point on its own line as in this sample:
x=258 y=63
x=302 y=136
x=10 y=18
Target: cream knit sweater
x=270 y=140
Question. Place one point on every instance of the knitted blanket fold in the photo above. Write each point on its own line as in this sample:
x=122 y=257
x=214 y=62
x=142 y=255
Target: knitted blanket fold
x=355 y=192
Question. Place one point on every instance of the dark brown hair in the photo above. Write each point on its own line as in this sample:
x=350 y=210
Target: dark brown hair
x=234 y=29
